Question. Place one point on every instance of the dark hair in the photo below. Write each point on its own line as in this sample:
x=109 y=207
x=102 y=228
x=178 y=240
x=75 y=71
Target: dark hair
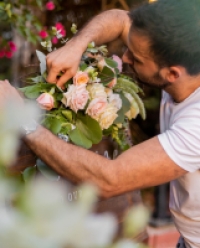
x=173 y=28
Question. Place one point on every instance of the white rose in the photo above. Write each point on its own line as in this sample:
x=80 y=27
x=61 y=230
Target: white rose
x=96 y=90
x=76 y=97
x=115 y=100
x=108 y=116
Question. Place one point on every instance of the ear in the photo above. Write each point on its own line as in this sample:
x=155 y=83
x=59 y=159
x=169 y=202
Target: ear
x=173 y=74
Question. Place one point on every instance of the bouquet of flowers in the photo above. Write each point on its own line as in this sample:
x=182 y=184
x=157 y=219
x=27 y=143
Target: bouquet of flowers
x=98 y=101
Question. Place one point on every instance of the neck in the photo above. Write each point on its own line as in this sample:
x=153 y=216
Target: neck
x=182 y=90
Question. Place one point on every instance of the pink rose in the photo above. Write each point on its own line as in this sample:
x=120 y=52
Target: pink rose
x=12 y=46
x=96 y=107
x=8 y=54
x=46 y=101
x=119 y=62
x=43 y=34
x=112 y=83
x=76 y=97
x=61 y=28
x=50 y=5
x=81 y=78
x=54 y=40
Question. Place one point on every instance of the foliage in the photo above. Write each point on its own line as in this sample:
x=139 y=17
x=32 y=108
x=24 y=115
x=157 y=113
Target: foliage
x=25 y=18
x=98 y=101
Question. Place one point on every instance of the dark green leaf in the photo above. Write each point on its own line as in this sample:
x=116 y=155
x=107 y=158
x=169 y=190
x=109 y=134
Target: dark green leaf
x=78 y=138
x=106 y=75
x=89 y=127
x=111 y=63
x=55 y=125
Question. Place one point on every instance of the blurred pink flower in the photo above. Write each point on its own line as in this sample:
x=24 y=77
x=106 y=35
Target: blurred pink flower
x=2 y=53
x=12 y=46
x=50 y=5
x=8 y=54
x=46 y=101
x=54 y=40
x=43 y=34
x=60 y=27
x=119 y=62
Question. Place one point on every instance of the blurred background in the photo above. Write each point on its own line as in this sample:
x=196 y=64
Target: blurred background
x=24 y=24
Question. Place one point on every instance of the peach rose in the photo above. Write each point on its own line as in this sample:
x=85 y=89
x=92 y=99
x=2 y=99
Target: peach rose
x=81 y=78
x=46 y=101
x=101 y=63
x=108 y=116
x=76 y=97
x=96 y=107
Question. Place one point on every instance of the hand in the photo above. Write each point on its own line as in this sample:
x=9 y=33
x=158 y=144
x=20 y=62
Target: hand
x=66 y=59
x=8 y=93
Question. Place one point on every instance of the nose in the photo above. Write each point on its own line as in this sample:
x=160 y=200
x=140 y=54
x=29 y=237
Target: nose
x=126 y=58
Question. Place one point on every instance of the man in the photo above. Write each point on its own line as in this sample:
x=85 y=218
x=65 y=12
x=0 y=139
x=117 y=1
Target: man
x=163 y=48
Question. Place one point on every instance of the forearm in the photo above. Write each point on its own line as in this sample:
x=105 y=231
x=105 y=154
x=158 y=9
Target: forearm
x=75 y=163
x=105 y=27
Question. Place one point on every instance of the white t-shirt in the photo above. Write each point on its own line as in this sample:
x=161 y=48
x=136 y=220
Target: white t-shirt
x=180 y=138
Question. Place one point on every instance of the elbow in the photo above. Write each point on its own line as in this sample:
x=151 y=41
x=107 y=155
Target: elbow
x=110 y=186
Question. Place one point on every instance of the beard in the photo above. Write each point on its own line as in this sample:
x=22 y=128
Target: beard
x=155 y=81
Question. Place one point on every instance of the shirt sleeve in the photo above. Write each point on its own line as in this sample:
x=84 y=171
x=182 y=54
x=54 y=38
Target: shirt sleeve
x=182 y=143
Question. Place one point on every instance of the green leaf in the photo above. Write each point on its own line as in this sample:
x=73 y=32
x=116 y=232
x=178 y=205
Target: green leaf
x=78 y=138
x=46 y=171
x=111 y=63
x=33 y=91
x=89 y=127
x=29 y=173
x=83 y=66
x=67 y=114
x=55 y=125
x=92 y=50
x=106 y=75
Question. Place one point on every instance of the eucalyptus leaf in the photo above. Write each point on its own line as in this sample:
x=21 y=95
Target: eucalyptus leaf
x=79 y=139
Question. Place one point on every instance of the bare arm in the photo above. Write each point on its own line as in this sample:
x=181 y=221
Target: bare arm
x=142 y=166
x=103 y=28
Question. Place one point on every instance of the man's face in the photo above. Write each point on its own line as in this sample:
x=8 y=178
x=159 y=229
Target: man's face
x=138 y=55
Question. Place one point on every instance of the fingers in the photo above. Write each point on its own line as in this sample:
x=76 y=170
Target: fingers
x=52 y=75
x=64 y=78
